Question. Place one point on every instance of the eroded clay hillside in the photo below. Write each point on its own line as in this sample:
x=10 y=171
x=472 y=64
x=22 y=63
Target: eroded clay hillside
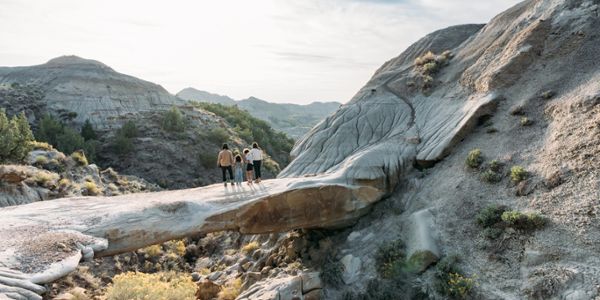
x=85 y=89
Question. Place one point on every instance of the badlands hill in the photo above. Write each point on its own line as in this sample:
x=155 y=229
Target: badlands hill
x=74 y=90
x=468 y=172
x=293 y=119
x=85 y=89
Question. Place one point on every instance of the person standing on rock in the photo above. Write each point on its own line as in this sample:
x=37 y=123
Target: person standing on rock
x=239 y=174
x=257 y=155
x=225 y=162
x=249 y=167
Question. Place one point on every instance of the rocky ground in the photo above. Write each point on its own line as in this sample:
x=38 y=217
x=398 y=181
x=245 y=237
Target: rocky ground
x=50 y=174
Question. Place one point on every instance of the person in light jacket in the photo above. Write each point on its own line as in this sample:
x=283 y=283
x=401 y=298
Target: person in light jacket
x=257 y=156
x=225 y=162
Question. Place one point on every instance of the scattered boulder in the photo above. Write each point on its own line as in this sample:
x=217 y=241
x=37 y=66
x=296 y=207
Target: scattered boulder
x=207 y=290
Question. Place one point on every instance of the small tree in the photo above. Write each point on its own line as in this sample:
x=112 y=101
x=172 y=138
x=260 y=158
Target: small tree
x=15 y=137
x=173 y=120
x=48 y=130
x=69 y=141
x=129 y=130
x=88 y=132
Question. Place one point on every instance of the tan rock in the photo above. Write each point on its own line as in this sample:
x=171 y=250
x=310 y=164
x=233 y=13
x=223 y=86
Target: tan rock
x=207 y=290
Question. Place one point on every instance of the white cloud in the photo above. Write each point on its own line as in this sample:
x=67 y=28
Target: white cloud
x=294 y=51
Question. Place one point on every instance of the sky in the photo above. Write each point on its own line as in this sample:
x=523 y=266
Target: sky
x=277 y=50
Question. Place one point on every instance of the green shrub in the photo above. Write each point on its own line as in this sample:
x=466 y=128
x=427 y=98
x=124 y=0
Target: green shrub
x=69 y=140
x=158 y=286
x=390 y=258
x=41 y=160
x=218 y=135
x=15 y=137
x=492 y=232
x=173 y=120
x=474 y=158
x=331 y=272
x=43 y=178
x=122 y=144
x=207 y=160
x=88 y=132
x=524 y=221
x=35 y=145
x=450 y=281
x=495 y=165
x=91 y=188
x=490 y=176
x=518 y=174
x=129 y=129
x=48 y=130
x=491 y=215
x=79 y=157
x=459 y=286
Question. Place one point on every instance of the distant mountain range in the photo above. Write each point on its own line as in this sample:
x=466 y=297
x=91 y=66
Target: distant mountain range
x=293 y=119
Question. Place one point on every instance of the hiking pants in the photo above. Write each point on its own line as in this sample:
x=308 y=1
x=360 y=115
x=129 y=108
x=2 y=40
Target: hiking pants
x=228 y=169
x=257 y=164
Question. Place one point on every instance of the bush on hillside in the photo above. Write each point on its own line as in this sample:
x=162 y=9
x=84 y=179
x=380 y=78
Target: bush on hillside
x=123 y=140
x=88 y=132
x=48 y=130
x=450 y=280
x=15 y=137
x=518 y=174
x=217 y=135
x=524 y=221
x=491 y=215
x=122 y=144
x=173 y=120
x=79 y=157
x=474 y=158
x=66 y=139
x=129 y=129
x=389 y=258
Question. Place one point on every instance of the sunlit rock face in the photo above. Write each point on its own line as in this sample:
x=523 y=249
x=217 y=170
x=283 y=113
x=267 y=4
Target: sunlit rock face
x=388 y=125
x=88 y=88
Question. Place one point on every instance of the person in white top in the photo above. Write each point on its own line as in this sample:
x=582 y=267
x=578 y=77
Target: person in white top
x=249 y=168
x=256 y=155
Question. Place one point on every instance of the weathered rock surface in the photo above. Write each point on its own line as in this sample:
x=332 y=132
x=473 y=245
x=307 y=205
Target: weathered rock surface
x=30 y=233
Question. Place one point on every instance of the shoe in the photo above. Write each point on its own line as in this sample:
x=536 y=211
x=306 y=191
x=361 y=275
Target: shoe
x=232 y=183
x=225 y=184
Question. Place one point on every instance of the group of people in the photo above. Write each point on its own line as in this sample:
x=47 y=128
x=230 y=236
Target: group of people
x=250 y=160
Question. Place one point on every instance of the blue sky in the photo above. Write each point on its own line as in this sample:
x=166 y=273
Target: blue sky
x=281 y=51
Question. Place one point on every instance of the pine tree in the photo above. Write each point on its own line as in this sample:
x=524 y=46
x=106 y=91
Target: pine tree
x=88 y=132
x=15 y=137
